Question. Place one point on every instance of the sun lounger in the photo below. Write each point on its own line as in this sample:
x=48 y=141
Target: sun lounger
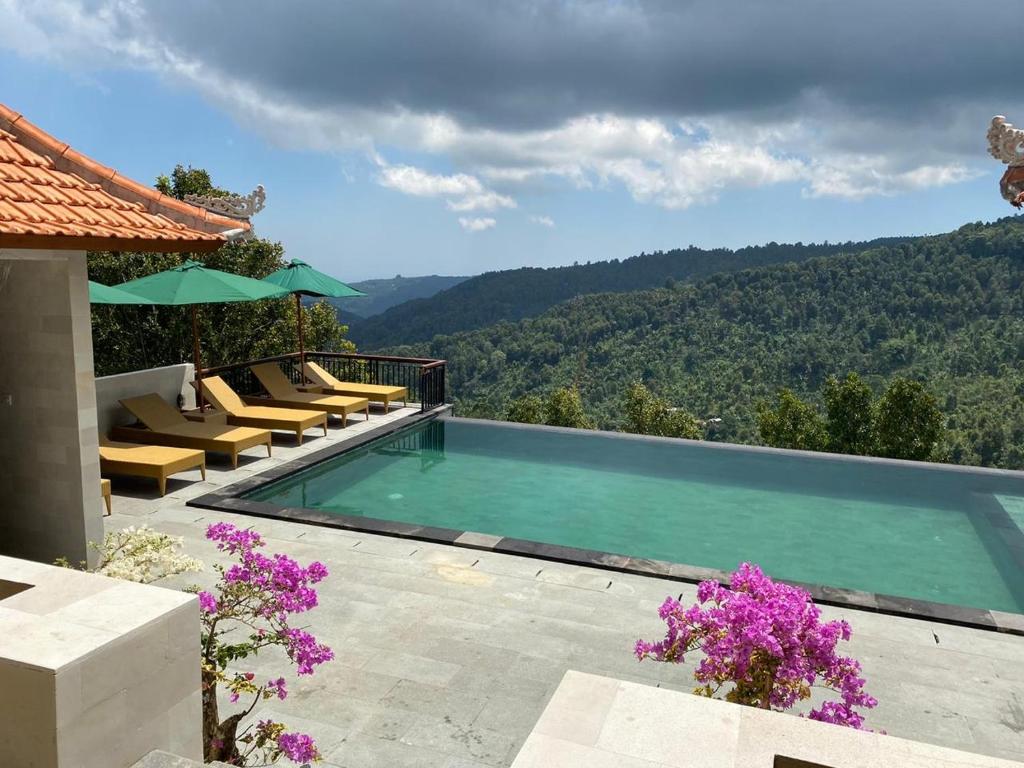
x=378 y=393
x=283 y=393
x=223 y=397
x=156 y=461
x=105 y=492
x=166 y=426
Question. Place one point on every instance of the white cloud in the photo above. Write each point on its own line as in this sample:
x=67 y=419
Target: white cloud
x=464 y=192
x=415 y=181
x=544 y=221
x=476 y=224
x=487 y=200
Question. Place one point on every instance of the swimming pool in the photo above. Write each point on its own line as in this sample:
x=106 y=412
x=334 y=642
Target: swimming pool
x=928 y=532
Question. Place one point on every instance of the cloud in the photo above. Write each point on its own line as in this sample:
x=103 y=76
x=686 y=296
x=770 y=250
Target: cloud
x=676 y=102
x=476 y=224
x=464 y=193
x=544 y=221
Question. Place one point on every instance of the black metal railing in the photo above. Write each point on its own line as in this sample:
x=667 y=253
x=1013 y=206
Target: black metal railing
x=424 y=378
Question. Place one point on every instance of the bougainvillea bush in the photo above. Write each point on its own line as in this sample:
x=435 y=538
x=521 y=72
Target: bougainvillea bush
x=763 y=646
x=251 y=608
x=138 y=554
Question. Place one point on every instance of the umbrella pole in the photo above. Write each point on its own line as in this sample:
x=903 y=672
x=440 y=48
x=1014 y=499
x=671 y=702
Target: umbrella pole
x=195 y=359
x=302 y=354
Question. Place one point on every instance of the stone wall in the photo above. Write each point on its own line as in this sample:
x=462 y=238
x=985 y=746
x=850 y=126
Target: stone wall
x=95 y=672
x=50 y=478
x=168 y=382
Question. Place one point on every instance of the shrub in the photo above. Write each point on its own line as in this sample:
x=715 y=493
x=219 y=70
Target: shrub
x=564 y=408
x=139 y=554
x=848 y=404
x=250 y=609
x=528 y=409
x=650 y=415
x=792 y=423
x=908 y=421
x=763 y=645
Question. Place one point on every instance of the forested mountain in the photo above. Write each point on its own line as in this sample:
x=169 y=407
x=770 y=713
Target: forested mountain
x=946 y=309
x=382 y=294
x=527 y=292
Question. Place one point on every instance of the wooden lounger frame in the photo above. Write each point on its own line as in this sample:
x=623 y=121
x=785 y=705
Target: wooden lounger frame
x=283 y=394
x=166 y=426
x=105 y=492
x=378 y=393
x=223 y=397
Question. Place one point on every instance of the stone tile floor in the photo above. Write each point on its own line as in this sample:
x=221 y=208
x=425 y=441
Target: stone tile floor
x=446 y=656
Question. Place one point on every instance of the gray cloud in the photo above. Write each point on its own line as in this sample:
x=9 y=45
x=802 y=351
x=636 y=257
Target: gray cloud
x=527 y=63
x=676 y=100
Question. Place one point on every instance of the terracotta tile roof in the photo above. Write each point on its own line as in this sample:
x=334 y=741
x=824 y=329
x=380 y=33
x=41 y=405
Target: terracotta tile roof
x=54 y=197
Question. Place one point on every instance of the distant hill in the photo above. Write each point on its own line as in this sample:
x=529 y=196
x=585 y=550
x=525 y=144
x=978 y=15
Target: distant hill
x=946 y=309
x=387 y=292
x=517 y=293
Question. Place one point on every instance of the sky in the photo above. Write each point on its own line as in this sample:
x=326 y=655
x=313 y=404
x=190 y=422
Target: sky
x=462 y=136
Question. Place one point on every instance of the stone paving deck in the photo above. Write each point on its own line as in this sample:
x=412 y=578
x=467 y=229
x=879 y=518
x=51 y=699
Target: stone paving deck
x=446 y=657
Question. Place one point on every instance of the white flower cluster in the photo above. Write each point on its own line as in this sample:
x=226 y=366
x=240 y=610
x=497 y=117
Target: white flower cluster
x=144 y=555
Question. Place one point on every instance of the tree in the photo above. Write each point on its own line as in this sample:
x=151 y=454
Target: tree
x=848 y=406
x=189 y=181
x=564 y=408
x=127 y=338
x=650 y=415
x=528 y=409
x=791 y=423
x=908 y=421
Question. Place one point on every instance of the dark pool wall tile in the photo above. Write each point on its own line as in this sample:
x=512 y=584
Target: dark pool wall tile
x=853 y=597
x=942 y=612
x=647 y=567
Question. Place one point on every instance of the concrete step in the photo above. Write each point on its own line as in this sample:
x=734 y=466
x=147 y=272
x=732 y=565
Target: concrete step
x=160 y=759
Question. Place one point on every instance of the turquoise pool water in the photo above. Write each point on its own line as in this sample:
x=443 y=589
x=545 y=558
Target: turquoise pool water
x=914 y=531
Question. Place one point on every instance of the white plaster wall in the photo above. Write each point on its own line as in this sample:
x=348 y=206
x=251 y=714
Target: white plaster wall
x=168 y=382
x=49 y=461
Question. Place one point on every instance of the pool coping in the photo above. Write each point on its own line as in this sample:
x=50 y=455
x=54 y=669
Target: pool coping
x=228 y=499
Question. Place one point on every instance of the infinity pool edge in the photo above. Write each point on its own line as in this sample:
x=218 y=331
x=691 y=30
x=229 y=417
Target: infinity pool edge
x=230 y=499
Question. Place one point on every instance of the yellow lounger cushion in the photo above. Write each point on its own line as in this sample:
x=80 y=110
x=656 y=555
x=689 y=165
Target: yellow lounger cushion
x=156 y=461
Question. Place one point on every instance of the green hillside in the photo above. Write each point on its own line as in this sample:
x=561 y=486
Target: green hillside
x=947 y=309
x=527 y=292
x=385 y=293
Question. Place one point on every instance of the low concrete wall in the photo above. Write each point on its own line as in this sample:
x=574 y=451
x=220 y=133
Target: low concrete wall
x=95 y=672
x=168 y=382
x=600 y=721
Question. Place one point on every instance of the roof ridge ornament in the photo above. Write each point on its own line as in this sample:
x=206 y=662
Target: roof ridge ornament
x=242 y=207
x=1006 y=144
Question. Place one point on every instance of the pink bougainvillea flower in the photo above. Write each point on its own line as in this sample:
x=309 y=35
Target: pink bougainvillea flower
x=298 y=747
x=763 y=645
x=207 y=602
x=258 y=594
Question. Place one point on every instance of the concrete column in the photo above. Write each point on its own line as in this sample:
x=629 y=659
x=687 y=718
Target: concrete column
x=50 y=502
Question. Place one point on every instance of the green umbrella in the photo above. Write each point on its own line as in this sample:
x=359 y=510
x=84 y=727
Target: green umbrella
x=105 y=294
x=302 y=280
x=192 y=284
